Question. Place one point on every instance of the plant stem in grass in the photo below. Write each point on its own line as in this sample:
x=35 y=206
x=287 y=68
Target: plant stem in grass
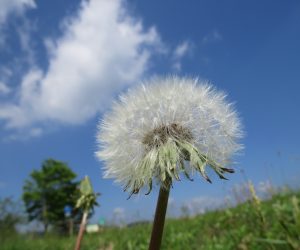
x=159 y=219
x=81 y=231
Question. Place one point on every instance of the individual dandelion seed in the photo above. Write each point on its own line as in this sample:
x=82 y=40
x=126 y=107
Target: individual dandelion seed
x=164 y=128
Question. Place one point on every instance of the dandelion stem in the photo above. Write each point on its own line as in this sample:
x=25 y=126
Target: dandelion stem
x=81 y=230
x=159 y=219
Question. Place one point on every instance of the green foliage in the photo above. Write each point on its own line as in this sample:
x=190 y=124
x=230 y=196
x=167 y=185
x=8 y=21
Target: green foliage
x=48 y=191
x=289 y=219
x=238 y=228
x=10 y=215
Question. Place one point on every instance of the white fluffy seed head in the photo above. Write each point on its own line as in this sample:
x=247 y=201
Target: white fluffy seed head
x=155 y=129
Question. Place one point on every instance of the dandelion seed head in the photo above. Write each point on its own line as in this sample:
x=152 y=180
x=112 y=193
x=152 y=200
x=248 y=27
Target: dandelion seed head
x=166 y=127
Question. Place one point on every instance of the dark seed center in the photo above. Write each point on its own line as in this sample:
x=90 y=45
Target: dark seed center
x=160 y=135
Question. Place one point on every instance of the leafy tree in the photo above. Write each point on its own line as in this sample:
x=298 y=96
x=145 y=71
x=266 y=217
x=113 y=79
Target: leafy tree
x=48 y=191
x=10 y=215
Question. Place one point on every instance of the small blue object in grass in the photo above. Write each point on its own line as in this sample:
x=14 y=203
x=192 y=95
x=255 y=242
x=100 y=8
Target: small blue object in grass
x=68 y=210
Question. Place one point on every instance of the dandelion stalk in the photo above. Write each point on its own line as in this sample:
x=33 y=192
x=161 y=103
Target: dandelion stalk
x=159 y=218
x=164 y=129
x=81 y=230
x=86 y=202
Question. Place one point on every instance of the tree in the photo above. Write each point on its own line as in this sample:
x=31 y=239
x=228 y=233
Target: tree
x=10 y=215
x=48 y=191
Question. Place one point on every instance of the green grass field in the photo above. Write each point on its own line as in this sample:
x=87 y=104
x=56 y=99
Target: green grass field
x=272 y=224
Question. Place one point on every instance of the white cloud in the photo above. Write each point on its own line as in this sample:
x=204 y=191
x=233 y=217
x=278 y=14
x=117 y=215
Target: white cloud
x=199 y=205
x=177 y=66
x=9 y=7
x=25 y=31
x=19 y=135
x=171 y=201
x=181 y=51
x=266 y=189
x=214 y=36
x=35 y=132
x=102 y=51
x=119 y=211
x=4 y=89
x=14 y=6
x=119 y=216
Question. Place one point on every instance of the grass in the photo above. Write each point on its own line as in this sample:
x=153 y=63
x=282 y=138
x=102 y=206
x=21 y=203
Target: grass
x=271 y=224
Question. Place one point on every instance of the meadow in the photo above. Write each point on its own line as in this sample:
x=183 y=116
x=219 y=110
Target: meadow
x=273 y=223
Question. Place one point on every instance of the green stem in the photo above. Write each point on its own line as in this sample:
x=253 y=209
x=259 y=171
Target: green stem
x=159 y=219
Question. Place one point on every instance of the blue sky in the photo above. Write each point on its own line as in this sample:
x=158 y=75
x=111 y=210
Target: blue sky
x=63 y=62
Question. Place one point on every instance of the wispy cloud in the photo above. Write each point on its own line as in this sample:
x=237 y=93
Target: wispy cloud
x=25 y=31
x=102 y=50
x=8 y=7
x=199 y=205
x=119 y=216
x=182 y=50
x=213 y=36
x=12 y=7
x=4 y=89
x=119 y=211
